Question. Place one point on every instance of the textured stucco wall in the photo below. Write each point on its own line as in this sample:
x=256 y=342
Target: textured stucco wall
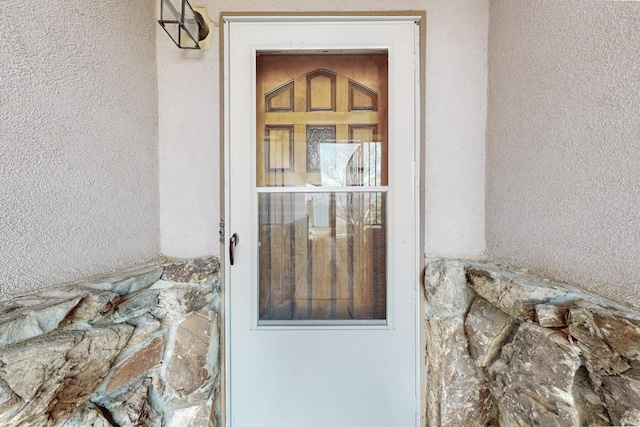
x=455 y=117
x=78 y=140
x=563 y=177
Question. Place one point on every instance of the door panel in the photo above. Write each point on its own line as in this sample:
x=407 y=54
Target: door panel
x=321 y=149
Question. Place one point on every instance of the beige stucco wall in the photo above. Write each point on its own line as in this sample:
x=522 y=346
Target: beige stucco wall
x=78 y=140
x=563 y=177
x=455 y=116
x=81 y=112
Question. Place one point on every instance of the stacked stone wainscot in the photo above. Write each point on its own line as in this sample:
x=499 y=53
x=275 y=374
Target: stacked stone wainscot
x=507 y=348
x=139 y=348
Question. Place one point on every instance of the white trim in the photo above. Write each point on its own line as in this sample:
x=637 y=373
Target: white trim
x=322 y=324
x=226 y=160
x=351 y=189
x=321 y=18
x=417 y=177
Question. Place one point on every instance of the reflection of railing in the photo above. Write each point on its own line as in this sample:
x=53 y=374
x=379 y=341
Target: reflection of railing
x=365 y=208
x=364 y=165
x=363 y=169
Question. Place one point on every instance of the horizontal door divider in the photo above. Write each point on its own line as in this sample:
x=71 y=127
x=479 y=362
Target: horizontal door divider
x=315 y=189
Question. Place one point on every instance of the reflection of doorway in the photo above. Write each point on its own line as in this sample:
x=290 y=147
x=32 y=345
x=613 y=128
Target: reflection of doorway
x=314 y=112
x=322 y=299
x=321 y=126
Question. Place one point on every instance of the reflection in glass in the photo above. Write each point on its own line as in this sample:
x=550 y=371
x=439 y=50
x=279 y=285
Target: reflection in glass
x=317 y=135
x=350 y=164
x=322 y=256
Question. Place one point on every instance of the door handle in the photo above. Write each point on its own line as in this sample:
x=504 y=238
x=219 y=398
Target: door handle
x=233 y=241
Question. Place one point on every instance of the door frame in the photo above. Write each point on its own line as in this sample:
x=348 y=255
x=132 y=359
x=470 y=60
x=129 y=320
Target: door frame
x=419 y=18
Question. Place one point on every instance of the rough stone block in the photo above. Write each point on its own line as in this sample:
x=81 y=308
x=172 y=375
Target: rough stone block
x=488 y=329
x=599 y=358
x=189 y=368
x=93 y=307
x=551 y=316
x=128 y=281
x=538 y=378
x=53 y=294
x=620 y=330
x=8 y=306
x=622 y=396
x=191 y=271
x=33 y=320
x=144 y=327
x=162 y=284
x=88 y=416
x=446 y=287
x=192 y=416
x=55 y=374
x=591 y=410
x=133 y=405
x=179 y=301
x=139 y=362
x=533 y=379
x=135 y=305
x=517 y=293
x=10 y=402
x=457 y=393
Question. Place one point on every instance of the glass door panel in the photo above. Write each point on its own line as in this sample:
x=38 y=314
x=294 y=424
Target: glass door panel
x=315 y=113
x=322 y=134
x=322 y=256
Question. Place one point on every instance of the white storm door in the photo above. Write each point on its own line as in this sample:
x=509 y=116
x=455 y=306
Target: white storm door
x=321 y=160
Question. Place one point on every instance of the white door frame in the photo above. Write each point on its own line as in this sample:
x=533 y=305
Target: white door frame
x=419 y=19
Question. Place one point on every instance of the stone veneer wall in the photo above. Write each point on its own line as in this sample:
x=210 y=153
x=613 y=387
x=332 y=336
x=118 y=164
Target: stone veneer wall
x=140 y=348
x=508 y=348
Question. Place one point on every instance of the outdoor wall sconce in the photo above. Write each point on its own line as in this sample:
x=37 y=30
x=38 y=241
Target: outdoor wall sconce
x=186 y=26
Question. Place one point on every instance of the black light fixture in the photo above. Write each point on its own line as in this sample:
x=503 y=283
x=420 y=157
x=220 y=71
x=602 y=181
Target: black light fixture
x=185 y=26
